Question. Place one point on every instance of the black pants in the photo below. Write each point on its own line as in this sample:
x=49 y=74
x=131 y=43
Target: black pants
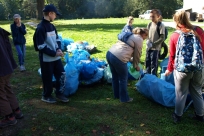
x=151 y=64
x=48 y=69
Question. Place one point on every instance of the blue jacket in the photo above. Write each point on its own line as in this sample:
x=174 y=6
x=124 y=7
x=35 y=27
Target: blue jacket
x=47 y=41
x=7 y=62
x=18 y=34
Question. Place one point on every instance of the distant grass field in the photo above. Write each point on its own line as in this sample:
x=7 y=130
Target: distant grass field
x=92 y=111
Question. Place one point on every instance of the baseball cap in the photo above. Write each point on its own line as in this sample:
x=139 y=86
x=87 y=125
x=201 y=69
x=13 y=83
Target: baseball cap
x=50 y=8
x=16 y=16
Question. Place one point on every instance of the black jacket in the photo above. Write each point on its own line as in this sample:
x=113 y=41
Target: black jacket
x=7 y=62
x=18 y=34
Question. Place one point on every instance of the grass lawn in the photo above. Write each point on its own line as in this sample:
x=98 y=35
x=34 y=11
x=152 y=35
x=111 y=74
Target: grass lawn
x=89 y=112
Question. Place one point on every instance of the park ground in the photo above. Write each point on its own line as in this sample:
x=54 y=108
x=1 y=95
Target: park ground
x=92 y=111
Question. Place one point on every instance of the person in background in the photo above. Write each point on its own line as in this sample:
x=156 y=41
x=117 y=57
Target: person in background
x=154 y=42
x=118 y=56
x=185 y=82
x=18 y=30
x=50 y=54
x=128 y=27
x=9 y=107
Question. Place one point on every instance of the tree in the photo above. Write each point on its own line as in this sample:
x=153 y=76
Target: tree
x=40 y=6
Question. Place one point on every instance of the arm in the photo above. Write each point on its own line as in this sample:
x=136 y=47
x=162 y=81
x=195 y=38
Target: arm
x=40 y=40
x=22 y=29
x=138 y=43
x=172 y=52
x=13 y=31
x=58 y=40
x=159 y=41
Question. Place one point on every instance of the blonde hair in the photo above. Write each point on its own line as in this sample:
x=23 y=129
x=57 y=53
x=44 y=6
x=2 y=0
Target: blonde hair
x=140 y=31
x=182 y=23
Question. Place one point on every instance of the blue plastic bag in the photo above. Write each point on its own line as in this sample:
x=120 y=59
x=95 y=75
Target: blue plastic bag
x=157 y=90
x=88 y=71
x=72 y=77
x=97 y=77
x=107 y=74
x=133 y=74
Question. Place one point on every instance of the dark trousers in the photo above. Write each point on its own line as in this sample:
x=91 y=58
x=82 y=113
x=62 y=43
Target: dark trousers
x=8 y=100
x=151 y=63
x=119 y=72
x=48 y=69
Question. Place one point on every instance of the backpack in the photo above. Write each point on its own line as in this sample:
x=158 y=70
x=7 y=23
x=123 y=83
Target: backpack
x=34 y=41
x=123 y=36
x=189 y=54
x=158 y=30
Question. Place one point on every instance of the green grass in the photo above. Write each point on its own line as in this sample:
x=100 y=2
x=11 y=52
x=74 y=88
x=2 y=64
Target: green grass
x=89 y=112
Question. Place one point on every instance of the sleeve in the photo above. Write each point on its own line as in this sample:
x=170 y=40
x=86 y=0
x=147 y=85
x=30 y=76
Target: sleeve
x=159 y=41
x=13 y=31
x=137 y=52
x=58 y=40
x=22 y=29
x=172 y=51
x=40 y=40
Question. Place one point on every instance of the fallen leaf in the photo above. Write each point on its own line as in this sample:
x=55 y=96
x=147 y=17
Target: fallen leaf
x=33 y=128
x=33 y=118
x=94 y=131
x=125 y=117
x=51 y=129
x=131 y=131
x=108 y=99
x=148 y=132
x=141 y=125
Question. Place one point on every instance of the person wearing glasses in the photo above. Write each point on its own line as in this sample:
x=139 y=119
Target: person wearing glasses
x=118 y=56
x=154 y=42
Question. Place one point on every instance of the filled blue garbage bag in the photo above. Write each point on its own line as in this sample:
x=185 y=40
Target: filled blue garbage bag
x=97 y=77
x=79 y=55
x=157 y=90
x=163 y=66
x=107 y=74
x=99 y=63
x=88 y=70
x=133 y=74
x=72 y=77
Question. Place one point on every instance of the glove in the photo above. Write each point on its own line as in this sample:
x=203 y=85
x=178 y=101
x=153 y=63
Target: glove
x=149 y=44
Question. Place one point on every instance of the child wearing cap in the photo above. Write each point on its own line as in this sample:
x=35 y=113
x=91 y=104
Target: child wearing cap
x=50 y=54
x=18 y=30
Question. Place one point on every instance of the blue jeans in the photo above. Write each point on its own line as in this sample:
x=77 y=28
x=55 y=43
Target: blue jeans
x=119 y=72
x=21 y=53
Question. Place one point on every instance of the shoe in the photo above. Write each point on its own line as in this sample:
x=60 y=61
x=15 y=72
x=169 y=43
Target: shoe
x=18 y=114
x=21 y=68
x=130 y=100
x=62 y=98
x=199 y=118
x=8 y=122
x=48 y=99
x=176 y=118
x=24 y=69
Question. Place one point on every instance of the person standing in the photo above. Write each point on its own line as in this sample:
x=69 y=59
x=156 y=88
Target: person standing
x=186 y=80
x=118 y=56
x=128 y=27
x=9 y=107
x=50 y=54
x=154 y=42
x=18 y=30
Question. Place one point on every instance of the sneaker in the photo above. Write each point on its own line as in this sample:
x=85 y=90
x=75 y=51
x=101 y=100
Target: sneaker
x=22 y=68
x=130 y=100
x=176 y=118
x=62 y=98
x=18 y=114
x=199 y=118
x=8 y=122
x=48 y=99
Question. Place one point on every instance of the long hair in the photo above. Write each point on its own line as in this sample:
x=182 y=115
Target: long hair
x=182 y=23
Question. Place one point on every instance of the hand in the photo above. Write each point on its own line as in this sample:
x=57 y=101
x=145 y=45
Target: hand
x=59 y=53
x=149 y=44
x=19 y=24
x=167 y=73
x=137 y=68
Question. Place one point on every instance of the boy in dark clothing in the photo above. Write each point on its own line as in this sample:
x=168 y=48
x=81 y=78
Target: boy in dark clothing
x=154 y=42
x=18 y=30
x=9 y=106
x=50 y=55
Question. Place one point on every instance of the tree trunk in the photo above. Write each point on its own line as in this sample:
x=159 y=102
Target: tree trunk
x=40 y=6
